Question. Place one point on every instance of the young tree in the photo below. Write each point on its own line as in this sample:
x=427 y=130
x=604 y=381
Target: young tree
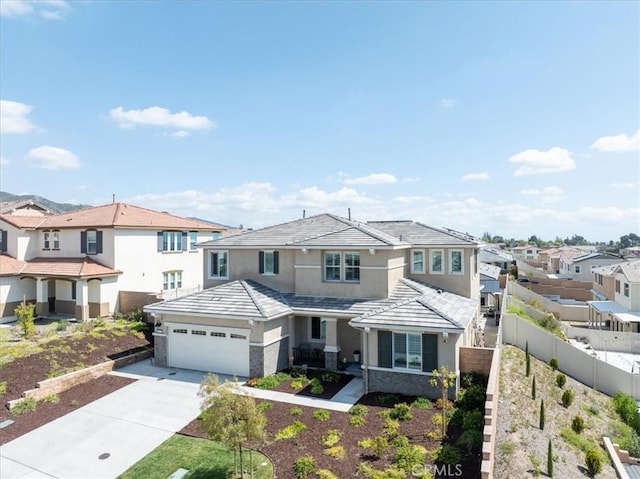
x=24 y=312
x=533 y=388
x=549 y=460
x=229 y=416
x=527 y=358
x=542 y=415
x=445 y=380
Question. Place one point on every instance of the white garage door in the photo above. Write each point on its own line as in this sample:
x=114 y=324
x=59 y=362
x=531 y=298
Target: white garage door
x=209 y=348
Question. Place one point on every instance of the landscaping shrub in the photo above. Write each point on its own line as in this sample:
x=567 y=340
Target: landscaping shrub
x=321 y=415
x=326 y=474
x=357 y=421
x=368 y=472
x=422 y=403
x=337 y=452
x=533 y=388
x=401 y=412
x=3 y=388
x=331 y=438
x=295 y=411
x=387 y=398
x=330 y=377
x=542 y=415
x=627 y=408
x=272 y=381
x=359 y=410
x=316 y=386
x=626 y=438
x=577 y=424
x=299 y=383
x=471 y=439
x=527 y=359
x=440 y=403
x=567 y=398
x=264 y=406
x=390 y=427
x=51 y=398
x=473 y=421
x=407 y=458
x=553 y=362
x=549 y=460
x=448 y=454
x=472 y=397
x=26 y=405
x=290 y=431
x=26 y=323
x=304 y=466
x=400 y=441
x=378 y=445
x=561 y=380
x=593 y=461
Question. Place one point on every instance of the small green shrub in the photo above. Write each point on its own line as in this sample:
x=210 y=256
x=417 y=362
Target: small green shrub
x=62 y=325
x=299 y=383
x=390 y=427
x=264 y=406
x=593 y=409
x=295 y=411
x=448 y=454
x=409 y=457
x=357 y=421
x=26 y=405
x=337 y=452
x=321 y=415
x=549 y=459
x=387 y=398
x=368 y=472
x=626 y=407
x=272 y=381
x=331 y=438
x=52 y=398
x=400 y=441
x=326 y=474
x=577 y=424
x=304 y=466
x=593 y=461
x=422 y=403
x=359 y=410
x=290 y=431
x=473 y=420
x=74 y=403
x=378 y=445
x=561 y=380
x=441 y=404
x=316 y=386
x=471 y=439
x=401 y=412
x=330 y=377
x=3 y=388
x=553 y=362
x=567 y=398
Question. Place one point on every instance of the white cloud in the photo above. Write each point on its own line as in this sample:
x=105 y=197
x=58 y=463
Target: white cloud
x=158 y=116
x=47 y=9
x=533 y=162
x=626 y=186
x=618 y=143
x=410 y=179
x=549 y=190
x=83 y=187
x=3 y=161
x=447 y=103
x=52 y=158
x=373 y=179
x=476 y=176
x=13 y=117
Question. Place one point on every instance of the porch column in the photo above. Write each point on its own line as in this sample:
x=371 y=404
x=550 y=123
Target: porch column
x=42 y=297
x=331 y=346
x=82 y=300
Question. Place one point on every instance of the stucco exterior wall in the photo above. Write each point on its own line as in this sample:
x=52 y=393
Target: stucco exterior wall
x=631 y=302
x=465 y=284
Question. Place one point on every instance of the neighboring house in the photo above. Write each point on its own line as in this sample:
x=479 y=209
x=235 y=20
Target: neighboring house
x=630 y=252
x=490 y=288
x=552 y=258
x=96 y=261
x=526 y=252
x=622 y=313
x=24 y=208
x=399 y=297
x=581 y=267
x=497 y=257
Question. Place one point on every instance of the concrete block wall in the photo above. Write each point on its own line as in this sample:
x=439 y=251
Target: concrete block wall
x=489 y=432
x=578 y=313
x=476 y=360
x=130 y=301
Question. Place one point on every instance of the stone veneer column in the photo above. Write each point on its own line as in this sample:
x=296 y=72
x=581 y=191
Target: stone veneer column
x=42 y=297
x=160 y=349
x=331 y=346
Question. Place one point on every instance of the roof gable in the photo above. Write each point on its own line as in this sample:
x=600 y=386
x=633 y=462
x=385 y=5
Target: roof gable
x=419 y=234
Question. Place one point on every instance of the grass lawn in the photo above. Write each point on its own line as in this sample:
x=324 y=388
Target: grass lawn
x=201 y=457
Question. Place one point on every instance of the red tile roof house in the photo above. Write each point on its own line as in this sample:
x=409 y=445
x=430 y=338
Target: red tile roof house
x=393 y=299
x=96 y=261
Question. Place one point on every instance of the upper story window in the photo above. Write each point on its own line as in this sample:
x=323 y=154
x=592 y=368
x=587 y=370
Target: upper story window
x=219 y=264
x=193 y=240
x=626 y=289
x=171 y=280
x=417 y=261
x=577 y=269
x=435 y=263
x=216 y=235
x=91 y=242
x=334 y=270
x=268 y=262
x=456 y=265
x=172 y=241
x=3 y=241
x=51 y=240
x=617 y=286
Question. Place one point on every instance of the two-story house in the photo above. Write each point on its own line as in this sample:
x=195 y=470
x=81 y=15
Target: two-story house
x=526 y=252
x=96 y=261
x=620 y=283
x=394 y=298
x=581 y=267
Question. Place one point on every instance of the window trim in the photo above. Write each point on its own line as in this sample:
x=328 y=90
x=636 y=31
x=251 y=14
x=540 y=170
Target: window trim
x=343 y=269
x=407 y=353
x=451 y=253
x=323 y=330
x=432 y=253
x=193 y=240
x=173 y=241
x=172 y=280
x=626 y=290
x=355 y=269
x=263 y=255
x=218 y=253
x=413 y=261
x=333 y=266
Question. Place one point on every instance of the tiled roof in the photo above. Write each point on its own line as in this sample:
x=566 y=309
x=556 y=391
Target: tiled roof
x=123 y=215
x=606 y=270
x=315 y=231
x=10 y=266
x=9 y=206
x=419 y=234
x=492 y=255
x=631 y=270
x=24 y=222
x=243 y=299
x=69 y=267
x=251 y=300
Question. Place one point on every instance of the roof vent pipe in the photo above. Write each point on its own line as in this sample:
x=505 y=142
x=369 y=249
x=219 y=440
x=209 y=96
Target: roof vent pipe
x=304 y=214
x=113 y=198
x=349 y=210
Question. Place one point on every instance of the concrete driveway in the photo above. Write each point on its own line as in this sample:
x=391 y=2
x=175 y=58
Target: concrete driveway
x=106 y=437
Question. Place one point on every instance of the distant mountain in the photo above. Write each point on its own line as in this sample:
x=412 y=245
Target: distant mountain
x=52 y=205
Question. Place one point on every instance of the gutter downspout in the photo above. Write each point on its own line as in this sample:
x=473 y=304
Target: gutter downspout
x=365 y=368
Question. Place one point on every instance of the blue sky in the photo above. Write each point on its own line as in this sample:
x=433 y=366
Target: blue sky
x=516 y=118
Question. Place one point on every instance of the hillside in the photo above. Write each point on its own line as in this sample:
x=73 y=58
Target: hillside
x=52 y=205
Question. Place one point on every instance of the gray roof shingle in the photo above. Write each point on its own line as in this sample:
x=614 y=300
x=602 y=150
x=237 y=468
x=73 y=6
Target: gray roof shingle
x=419 y=234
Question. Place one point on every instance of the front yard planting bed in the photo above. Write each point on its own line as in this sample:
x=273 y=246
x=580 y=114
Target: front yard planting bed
x=202 y=458
x=332 y=439
x=313 y=382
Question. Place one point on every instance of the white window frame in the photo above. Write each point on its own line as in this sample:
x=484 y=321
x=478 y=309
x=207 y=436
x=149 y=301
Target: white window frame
x=323 y=330
x=626 y=290
x=56 y=239
x=46 y=236
x=92 y=241
x=419 y=270
x=409 y=357
x=222 y=263
x=171 y=280
x=351 y=269
x=269 y=271
x=172 y=241
x=451 y=253
x=432 y=254
x=576 y=269
x=193 y=240
x=333 y=266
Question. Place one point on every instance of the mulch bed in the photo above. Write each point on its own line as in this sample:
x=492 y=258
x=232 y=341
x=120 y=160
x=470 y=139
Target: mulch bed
x=330 y=388
x=284 y=453
x=70 y=400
